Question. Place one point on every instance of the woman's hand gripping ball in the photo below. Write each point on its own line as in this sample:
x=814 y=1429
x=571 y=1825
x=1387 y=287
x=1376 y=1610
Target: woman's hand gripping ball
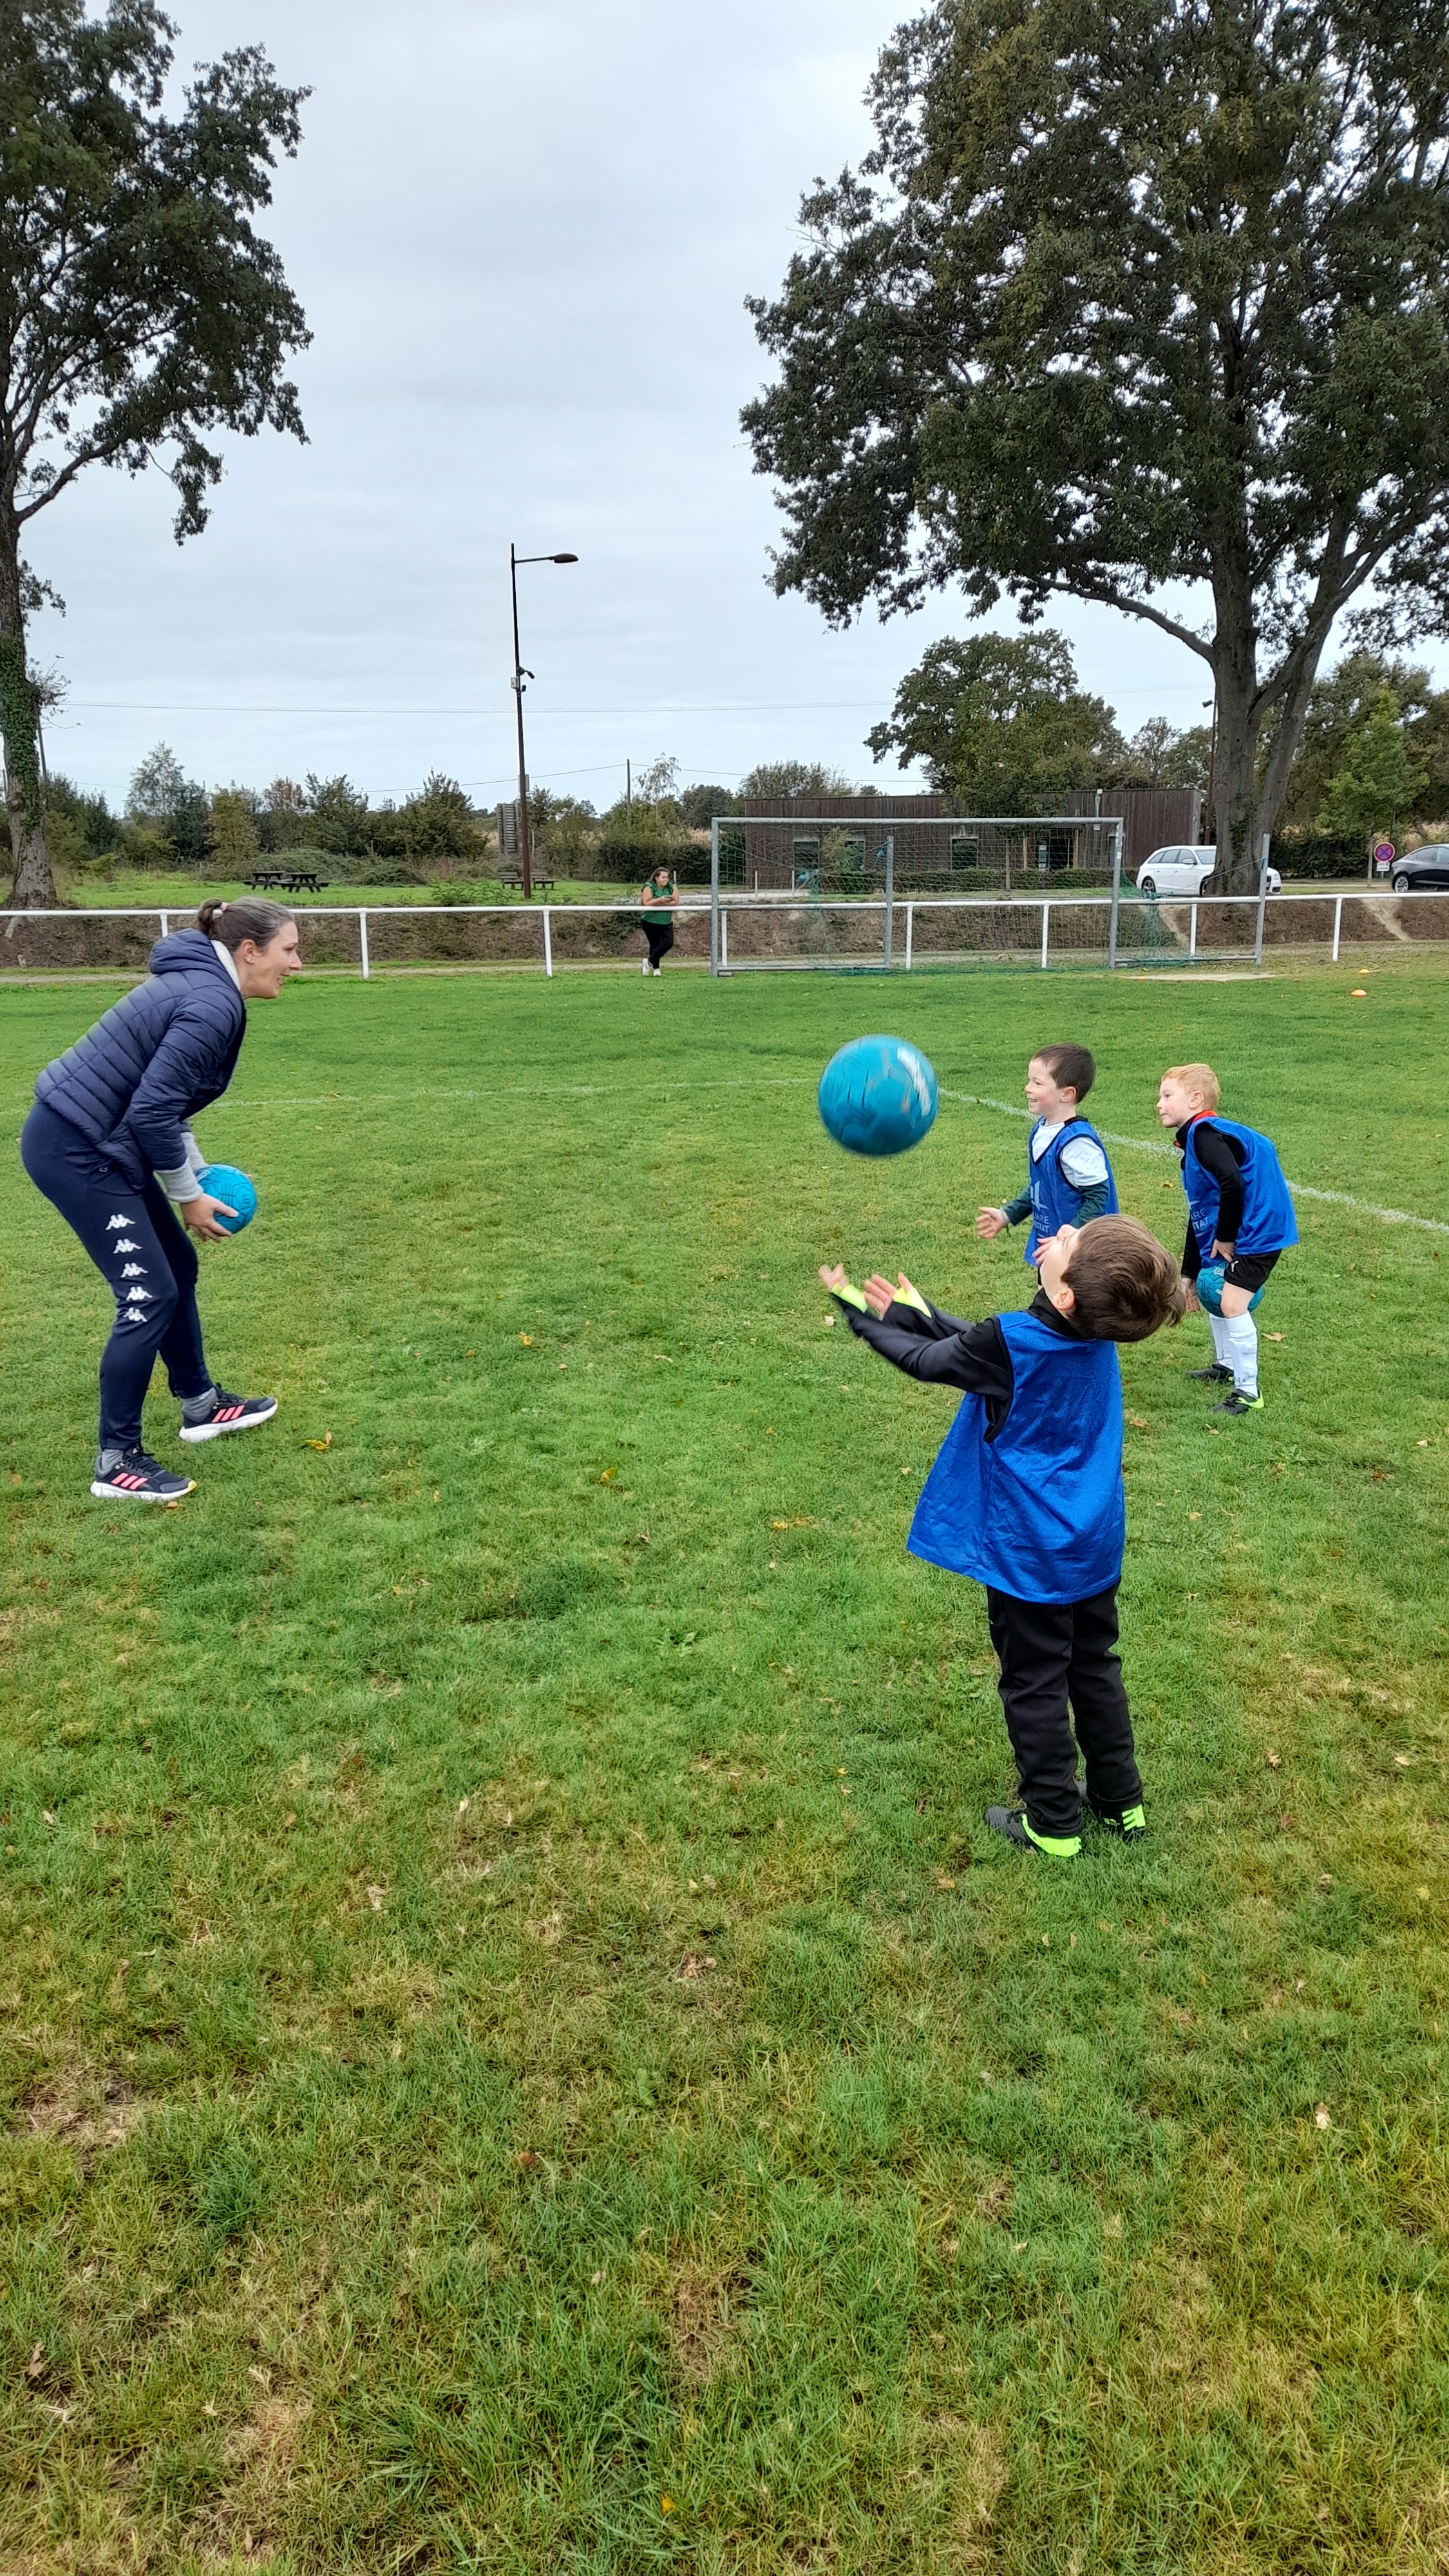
x=200 y=1214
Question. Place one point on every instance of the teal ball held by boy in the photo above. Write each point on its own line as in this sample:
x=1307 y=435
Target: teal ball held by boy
x=1026 y=1497
x=1068 y=1177
x=1239 y=1221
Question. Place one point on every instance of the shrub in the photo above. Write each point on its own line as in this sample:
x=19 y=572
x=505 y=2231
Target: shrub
x=1317 y=854
x=231 y=834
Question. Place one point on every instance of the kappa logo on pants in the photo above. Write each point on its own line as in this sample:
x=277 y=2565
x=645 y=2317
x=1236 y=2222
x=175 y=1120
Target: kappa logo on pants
x=113 y=1221
x=135 y=1270
x=139 y=1297
x=125 y=1245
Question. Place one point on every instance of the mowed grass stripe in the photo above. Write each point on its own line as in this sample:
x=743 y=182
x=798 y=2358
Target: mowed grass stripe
x=513 y=2017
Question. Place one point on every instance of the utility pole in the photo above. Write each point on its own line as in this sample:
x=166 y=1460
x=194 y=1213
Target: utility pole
x=520 y=678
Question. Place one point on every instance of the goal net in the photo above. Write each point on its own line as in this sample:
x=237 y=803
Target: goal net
x=861 y=892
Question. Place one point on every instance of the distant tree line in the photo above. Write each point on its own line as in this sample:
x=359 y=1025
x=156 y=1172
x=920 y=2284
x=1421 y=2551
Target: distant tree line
x=170 y=821
x=997 y=724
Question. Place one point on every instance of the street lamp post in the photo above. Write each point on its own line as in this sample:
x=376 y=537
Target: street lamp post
x=520 y=677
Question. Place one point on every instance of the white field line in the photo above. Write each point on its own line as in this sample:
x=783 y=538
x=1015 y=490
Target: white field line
x=762 y=1082
x=1146 y=1145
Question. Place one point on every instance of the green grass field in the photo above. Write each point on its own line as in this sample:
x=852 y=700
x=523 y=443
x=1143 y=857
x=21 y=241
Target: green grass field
x=518 y=2052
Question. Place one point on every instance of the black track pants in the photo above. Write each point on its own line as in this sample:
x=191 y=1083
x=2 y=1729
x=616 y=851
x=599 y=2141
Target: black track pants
x=1052 y=1654
x=660 y=935
x=141 y=1252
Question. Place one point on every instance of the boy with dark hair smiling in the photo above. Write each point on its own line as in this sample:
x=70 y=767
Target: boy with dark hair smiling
x=1068 y=1177
x=1026 y=1496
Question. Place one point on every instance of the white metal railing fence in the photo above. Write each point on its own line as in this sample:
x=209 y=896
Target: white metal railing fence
x=1116 y=911
x=1110 y=922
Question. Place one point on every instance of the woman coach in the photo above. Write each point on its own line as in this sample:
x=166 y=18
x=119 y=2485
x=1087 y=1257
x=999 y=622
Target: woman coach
x=109 y=1143
x=660 y=898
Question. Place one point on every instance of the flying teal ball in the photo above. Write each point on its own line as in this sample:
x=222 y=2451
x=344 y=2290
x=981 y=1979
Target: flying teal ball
x=223 y=1181
x=878 y=1096
x=1209 y=1286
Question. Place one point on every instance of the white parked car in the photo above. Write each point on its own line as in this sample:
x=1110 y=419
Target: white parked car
x=1184 y=868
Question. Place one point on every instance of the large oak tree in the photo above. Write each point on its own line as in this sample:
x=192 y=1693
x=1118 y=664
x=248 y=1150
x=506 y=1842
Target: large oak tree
x=140 y=312
x=999 y=724
x=1143 y=303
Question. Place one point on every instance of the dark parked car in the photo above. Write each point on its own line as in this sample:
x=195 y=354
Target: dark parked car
x=1417 y=868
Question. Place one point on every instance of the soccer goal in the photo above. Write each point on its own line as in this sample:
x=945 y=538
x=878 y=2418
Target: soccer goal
x=1166 y=920
x=860 y=893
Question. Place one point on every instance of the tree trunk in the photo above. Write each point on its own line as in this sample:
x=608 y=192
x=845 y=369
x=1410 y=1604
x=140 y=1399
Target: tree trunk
x=1235 y=815
x=1245 y=803
x=34 y=885
x=1235 y=669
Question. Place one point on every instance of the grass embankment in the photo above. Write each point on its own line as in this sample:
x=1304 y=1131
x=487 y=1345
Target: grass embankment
x=519 y=2053
x=181 y=895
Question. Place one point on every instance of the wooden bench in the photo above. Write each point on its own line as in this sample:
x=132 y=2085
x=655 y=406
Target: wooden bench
x=511 y=880
x=285 y=881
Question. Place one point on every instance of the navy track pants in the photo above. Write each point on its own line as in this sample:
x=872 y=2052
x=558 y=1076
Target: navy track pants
x=1052 y=1653
x=141 y=1251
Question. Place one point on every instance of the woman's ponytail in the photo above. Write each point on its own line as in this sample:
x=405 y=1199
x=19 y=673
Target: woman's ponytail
x=250 y=918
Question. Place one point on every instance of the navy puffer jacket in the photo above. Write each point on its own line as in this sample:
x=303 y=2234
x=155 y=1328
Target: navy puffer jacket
x=144 y=1071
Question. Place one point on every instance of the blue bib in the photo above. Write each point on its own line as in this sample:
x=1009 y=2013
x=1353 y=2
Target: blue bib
x=1054 y=1202
x=1269 y=1224
x=1038 y=1511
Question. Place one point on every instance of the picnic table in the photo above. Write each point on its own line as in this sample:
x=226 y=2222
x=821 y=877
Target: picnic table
x=511 y=880
x=285 y=881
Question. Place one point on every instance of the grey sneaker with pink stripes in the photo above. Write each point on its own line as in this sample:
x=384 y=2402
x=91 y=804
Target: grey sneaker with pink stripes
x=134 y=1476
x=228 y=1413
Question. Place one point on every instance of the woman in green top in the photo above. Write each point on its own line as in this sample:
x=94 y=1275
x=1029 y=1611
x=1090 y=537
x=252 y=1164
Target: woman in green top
x=659 y=897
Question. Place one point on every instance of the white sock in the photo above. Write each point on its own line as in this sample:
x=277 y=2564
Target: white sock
x=1239 y=1348
x=1218 y=1326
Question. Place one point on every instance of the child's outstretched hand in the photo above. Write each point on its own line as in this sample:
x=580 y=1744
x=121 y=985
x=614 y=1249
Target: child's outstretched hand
x=879 y=1293
x=833 y=1278
x=990 y=1221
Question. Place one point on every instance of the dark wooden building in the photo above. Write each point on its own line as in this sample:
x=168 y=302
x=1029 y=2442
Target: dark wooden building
x=801 y=840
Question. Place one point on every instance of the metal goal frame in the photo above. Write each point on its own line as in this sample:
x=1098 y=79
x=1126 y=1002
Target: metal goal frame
x=870 y=824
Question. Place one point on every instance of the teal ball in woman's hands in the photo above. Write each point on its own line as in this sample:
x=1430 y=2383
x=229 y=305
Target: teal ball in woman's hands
x=878 y=1096
x=223 y=1181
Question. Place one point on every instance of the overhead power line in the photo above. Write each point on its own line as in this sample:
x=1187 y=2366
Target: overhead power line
x=162 y=707
x=665 y=707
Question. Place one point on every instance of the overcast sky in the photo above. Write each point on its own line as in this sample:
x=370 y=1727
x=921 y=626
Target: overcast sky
x=523 y=235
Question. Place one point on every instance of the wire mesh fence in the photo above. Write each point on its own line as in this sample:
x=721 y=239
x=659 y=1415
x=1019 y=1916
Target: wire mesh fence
x=849 y=857
x=787 y=929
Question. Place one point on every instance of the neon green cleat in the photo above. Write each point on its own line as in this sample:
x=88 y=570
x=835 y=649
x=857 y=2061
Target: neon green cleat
x=1014 y=1828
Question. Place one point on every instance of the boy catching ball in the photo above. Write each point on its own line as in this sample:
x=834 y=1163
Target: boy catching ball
x=1239 y=1213
x=1068 y=1177
x=1026 y=1497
